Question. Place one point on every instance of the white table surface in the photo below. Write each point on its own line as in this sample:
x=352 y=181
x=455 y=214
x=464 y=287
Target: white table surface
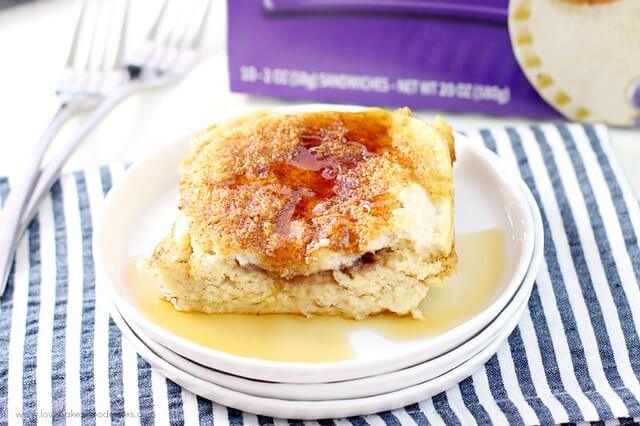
x=34 y=39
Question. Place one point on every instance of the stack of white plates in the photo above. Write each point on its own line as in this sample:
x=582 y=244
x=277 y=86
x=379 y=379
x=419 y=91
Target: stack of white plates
x=383 y=374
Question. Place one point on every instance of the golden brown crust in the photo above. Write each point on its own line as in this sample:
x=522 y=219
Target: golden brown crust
x=447 y=133
x=280 y=187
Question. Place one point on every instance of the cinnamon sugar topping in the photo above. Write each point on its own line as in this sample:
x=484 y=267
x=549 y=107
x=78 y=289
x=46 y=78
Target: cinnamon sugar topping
x=282 y=187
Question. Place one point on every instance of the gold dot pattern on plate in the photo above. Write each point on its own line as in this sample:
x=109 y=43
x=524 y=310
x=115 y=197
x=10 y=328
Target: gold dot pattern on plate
x=524 y=38
x=522 y=13
x=532 y=61
x=528 y=58
x=581 y=113
x=544 y=80
x=562 y=98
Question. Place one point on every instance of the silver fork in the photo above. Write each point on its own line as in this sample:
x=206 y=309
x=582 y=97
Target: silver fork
x=167 y=53
x=85 y=80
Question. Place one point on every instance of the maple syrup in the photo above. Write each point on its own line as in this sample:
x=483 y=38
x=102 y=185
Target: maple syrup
x=323 y=339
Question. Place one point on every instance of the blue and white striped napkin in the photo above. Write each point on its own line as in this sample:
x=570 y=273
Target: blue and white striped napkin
x=574 y=357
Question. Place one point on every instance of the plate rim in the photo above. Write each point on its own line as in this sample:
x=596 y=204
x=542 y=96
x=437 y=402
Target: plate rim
x=311 y=410
x=250 y=385
x=387 y=381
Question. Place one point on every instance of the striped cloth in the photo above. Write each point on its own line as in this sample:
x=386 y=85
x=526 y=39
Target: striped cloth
x=574 y=357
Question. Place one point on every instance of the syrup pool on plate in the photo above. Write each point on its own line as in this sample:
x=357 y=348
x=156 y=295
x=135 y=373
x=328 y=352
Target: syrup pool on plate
x=294 y=338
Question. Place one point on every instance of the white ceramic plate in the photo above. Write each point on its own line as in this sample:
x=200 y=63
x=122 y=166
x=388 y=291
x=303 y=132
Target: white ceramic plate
x=293 y=409
x=364 y=387
x=141 y=207
x=372 y=385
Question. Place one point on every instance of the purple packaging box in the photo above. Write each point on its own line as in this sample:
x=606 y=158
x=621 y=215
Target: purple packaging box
x=440 y=55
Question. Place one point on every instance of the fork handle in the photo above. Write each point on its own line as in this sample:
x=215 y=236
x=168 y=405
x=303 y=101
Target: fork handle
x=51 y=170
x=45 y=180
x=21 y=188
